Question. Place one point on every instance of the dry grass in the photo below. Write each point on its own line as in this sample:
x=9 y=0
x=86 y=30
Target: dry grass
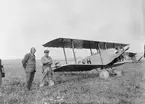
x=79 y=88
x=82 y=88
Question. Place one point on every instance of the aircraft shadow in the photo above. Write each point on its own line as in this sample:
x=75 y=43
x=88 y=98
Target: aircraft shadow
x=75 y=76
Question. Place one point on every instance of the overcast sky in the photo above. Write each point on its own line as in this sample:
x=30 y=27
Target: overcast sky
x=31 y=23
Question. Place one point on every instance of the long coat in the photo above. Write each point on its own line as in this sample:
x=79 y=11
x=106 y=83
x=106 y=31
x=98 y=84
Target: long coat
x=29 y=63
x=46 y=62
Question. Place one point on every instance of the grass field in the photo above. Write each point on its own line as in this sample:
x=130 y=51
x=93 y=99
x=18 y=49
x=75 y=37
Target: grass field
x=74 y=88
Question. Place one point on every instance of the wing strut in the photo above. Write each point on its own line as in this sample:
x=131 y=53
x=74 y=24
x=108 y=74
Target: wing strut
x=100 y=53
x=114 y=45
x=105 y=45
x=64 y=51
x=73 y=50
x=90 y=49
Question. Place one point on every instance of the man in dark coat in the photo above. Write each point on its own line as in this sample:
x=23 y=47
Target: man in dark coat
x=29 y=64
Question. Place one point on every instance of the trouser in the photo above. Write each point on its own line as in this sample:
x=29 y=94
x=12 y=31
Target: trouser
x=47 y=76
x=29 y=79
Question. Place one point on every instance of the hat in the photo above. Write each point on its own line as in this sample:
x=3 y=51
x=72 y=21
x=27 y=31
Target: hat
x=46 y=51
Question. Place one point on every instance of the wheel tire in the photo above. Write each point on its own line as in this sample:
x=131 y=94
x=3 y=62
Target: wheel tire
x=104 y=74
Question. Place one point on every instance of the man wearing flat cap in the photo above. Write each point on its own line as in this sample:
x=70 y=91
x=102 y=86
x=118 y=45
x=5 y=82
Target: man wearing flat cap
x=47 y=71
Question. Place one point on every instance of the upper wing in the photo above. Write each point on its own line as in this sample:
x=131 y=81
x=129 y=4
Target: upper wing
x=81 y=44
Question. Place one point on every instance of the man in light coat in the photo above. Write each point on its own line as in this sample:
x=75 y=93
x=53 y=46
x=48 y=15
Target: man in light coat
x=47 y=71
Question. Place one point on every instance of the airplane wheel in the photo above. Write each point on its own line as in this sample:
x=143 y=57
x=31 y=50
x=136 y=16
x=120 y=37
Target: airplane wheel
x=104 y=74
x=118 y=72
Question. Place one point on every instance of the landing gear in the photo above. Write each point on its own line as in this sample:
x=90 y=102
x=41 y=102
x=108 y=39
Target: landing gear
x=105 y=73
x=116 y=72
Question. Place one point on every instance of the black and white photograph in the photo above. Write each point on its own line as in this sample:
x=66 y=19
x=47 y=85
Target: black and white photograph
x=72 y=52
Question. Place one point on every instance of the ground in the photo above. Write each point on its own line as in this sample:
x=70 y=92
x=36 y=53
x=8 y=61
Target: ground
x=79 y=88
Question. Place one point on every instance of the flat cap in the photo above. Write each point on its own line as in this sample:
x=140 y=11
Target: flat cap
x=46 y=51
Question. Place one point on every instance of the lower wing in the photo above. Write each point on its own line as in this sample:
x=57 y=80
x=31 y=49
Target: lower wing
x=83 y=67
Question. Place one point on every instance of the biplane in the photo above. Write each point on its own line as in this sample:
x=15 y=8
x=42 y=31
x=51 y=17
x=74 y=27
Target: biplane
x=106 y=55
